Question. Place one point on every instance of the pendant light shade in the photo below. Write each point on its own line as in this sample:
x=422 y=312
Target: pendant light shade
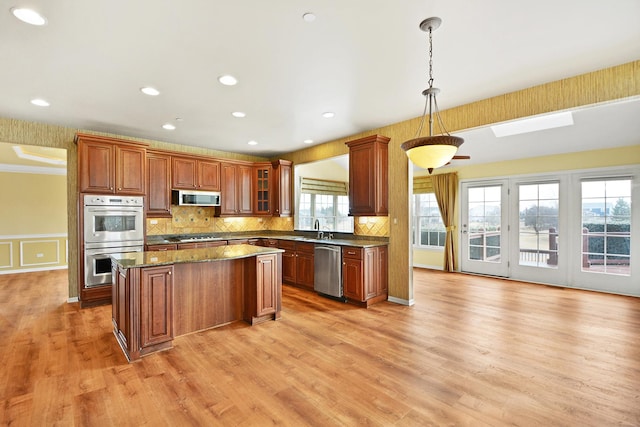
x=432 y=151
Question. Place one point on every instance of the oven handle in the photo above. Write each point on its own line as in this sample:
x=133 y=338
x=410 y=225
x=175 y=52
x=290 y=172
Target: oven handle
x=112 y=211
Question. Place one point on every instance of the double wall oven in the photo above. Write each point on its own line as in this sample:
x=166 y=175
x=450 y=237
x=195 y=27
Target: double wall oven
x=112 y=224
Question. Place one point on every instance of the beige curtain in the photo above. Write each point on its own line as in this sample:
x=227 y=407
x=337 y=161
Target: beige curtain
x=445 y=187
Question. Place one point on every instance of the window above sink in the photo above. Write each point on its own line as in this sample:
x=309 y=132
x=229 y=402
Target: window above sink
x=322 y=200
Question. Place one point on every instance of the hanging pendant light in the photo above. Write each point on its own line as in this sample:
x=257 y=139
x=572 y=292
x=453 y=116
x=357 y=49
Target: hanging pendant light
x=432 y=151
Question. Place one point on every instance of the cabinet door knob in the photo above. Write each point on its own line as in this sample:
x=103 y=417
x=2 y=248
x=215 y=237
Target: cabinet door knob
x=169 y=273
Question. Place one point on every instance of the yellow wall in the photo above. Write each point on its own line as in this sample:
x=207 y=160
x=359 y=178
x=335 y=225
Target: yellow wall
x=33 y=203
x=33 y=222
x=600 y=86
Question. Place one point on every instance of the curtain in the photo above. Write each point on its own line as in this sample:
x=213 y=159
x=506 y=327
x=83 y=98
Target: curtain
x=323 y=186
x=445 y=187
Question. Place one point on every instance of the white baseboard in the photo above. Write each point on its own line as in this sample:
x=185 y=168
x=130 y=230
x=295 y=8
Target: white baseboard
x=401 y=301
x=31 y=270
x=72 y=300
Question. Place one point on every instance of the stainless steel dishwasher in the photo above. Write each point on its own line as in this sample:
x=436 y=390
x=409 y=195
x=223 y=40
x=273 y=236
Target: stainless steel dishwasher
x=327 y=269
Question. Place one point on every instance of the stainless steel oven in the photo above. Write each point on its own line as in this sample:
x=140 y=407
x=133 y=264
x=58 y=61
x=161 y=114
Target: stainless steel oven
x=112 y=224
x=97 y=264
x=113 y=219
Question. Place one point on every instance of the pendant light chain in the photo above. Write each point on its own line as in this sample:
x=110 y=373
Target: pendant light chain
x=430 y=58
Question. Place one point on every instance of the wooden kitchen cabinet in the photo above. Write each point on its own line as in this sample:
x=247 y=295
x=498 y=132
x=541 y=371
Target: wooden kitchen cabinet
x=262 y=289
x=156 y=305
x=161 y=247
x=282 y=188
x=298 y=263
x=158 y=185
x=272 y=188
x=110 y=166
x=142 y=309
x=192 y=173
x=262 y=193
x=368 y=176
x=365 y=274
x=196 y=245
x=236 y=191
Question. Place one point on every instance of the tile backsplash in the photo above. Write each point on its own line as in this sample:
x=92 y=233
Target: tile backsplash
x=196 y=219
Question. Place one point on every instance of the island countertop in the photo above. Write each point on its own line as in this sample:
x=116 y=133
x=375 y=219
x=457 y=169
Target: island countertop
x=158 y=258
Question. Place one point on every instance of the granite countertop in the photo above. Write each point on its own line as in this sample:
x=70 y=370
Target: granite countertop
x=220 y=253
x=340 y=241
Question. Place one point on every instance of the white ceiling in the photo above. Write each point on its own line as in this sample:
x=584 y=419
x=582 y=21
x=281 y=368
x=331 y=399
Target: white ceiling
x=365 y=60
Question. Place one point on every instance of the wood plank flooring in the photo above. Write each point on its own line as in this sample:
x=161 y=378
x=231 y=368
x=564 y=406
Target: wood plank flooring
x=472 y=351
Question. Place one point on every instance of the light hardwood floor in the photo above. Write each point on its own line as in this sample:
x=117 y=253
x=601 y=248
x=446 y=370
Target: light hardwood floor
x=472 y=351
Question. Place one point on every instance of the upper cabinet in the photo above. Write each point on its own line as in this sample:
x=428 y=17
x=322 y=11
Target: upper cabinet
x=282 y=188
x=262 y=193
x=368 y=176
x=110 y=166
x=158 y=184
x=236 y=192
x=191 y=173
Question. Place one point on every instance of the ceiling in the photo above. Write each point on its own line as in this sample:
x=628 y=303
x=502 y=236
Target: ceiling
x=364 y=60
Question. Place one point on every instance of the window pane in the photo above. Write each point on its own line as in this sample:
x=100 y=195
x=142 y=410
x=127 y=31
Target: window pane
x=484 y=223
x=538 y=229
x=429 y=228
x=606 y=226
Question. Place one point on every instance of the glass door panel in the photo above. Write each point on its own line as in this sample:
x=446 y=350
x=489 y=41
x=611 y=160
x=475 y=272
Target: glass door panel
x=484 y=236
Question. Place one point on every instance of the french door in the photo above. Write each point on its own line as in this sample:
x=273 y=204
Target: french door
x=511 y=228
x=484 y=228
x=570 y=229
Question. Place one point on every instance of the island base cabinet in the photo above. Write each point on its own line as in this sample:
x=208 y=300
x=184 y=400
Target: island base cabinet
x=263 y=288
x=156 y=298
x=142 y=304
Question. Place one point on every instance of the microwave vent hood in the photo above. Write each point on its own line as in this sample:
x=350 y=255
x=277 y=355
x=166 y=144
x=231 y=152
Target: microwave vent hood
x=195 y=198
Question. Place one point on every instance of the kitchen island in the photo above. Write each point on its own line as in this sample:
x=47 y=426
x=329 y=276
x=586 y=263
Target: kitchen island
x=157 y=296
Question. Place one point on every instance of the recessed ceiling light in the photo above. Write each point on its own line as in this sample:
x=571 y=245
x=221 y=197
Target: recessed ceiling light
x=309 y=17
x=252 y=142
x=328 y=114
x=29 y=16
x=168 y=126
x=308 y=141
x=228 y=80
x=533 y=124
x=40 y=102
x=238 y=114
x=151 y=91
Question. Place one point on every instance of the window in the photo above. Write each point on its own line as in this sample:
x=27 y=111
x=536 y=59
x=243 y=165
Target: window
x=429 y=230
x=538 y=224
x=331 y=212
x=606 y=226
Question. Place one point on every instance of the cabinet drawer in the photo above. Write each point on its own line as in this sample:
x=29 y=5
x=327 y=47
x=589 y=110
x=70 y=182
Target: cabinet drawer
x=352 y=252
x=308 y=248
x=162 y=247
x=288 y=245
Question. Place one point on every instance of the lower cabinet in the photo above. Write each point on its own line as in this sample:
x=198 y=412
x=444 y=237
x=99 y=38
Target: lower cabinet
x=297 y=263
x=156 y=305
x=262 y=289
x=142 y=309
x=162 y=247
x=365 y=274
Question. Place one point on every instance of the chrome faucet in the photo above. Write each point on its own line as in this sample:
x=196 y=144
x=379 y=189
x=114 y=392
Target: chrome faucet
x=320 y=234
x=316 y=224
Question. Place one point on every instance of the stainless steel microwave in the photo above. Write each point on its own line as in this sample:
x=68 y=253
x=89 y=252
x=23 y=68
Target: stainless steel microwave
x=195 y=198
